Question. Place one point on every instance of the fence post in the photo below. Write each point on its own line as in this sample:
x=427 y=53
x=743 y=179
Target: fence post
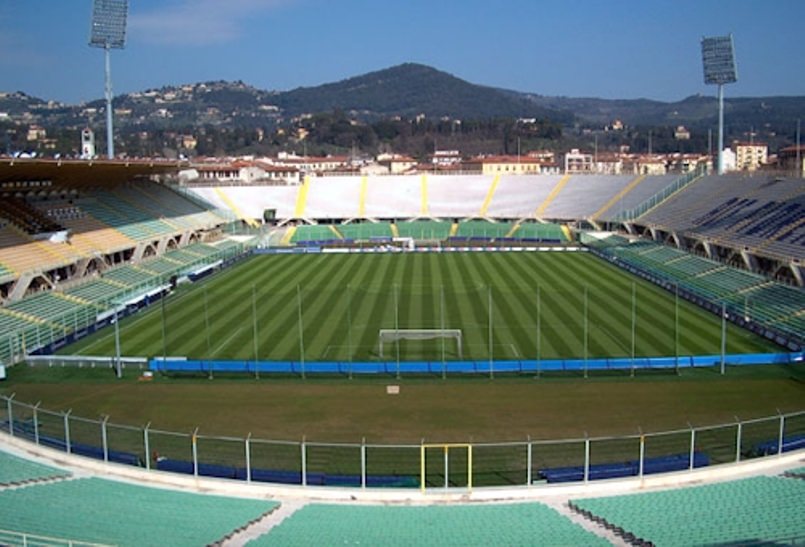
x=642 y=454
x=692 y=446
x=147 y=447
x=10 y=414
x=67 y=445
x=780 y=438
x=738 y=441
x=36 y=421
x=103 y=439
x=446 y=467
x=422 y=465
x=586 y=458
x=249 y=457
x=528 y=461
x=363 y=462
x=193 y=443
x=304 y=462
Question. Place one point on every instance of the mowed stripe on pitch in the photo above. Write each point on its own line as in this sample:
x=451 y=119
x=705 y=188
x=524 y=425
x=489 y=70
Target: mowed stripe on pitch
x=418 y=280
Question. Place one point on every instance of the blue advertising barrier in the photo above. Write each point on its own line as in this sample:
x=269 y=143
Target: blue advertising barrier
x=158 y=364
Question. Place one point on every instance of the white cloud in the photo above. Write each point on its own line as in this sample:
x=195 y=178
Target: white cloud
x=196 y=22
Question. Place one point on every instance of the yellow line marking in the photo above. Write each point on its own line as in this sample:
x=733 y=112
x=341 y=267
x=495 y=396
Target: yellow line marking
x=301 y=199
x=614 y=199
x=234 y=208
x=423 y=208
x=489 y=194
x=362 y=199
x=552 y=196
x=286 y=238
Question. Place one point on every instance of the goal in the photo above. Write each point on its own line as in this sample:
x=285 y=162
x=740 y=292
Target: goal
x=394 y=335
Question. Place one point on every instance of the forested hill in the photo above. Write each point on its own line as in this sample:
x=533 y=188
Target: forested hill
x=412 y=89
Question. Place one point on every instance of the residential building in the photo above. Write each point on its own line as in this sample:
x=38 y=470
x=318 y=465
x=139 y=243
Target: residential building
x=578 y=162
x=507 y=165
x=749 y=156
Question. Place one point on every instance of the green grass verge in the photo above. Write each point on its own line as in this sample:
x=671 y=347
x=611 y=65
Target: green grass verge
x=457 y=409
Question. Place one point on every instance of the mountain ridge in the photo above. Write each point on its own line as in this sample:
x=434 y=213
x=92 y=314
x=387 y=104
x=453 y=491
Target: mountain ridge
x=406 y=90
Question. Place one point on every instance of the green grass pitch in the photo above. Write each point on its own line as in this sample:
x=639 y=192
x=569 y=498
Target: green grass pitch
x=252 y=311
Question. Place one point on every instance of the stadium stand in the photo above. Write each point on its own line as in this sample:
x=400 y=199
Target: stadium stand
x=519 y=197
x=483 y=229
x=440 y=196
x=251 y=201
x=99 y=290
x=757 y=212
x=365 y=230
x=751 y=296
x=490 y=194
x=27 y=218
x=89 y=236
x=160 y=201
x=644 y=189
x=99 y=510
x=488 y=524
x=45 y=317
x=47 y=235
x=583 y=195
x=759 y=510
x=333 y=197
x=125 y=217
x=539 y=231
x=48 y=306
x=445 y=201
x=128 y=275
x=15 y=470
x=5 y=271
x=21 y=253
x=424 y=229
x=318 y=233
x=393 y=197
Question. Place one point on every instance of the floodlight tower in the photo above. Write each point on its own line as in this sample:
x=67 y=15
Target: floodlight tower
x=109 y=31
x=718 y=58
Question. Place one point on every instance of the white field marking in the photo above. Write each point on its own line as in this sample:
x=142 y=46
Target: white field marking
x=609 y=335
x=225 y=342
x=111 y=334
x=137 y=321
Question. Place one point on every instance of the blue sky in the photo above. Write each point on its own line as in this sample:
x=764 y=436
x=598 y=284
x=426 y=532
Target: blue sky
x=576 y=48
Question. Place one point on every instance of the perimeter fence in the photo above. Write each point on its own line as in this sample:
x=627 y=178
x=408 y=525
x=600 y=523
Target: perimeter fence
x=425 y=465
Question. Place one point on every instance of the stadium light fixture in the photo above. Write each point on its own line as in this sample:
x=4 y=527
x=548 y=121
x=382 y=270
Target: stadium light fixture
x=718 y=59
x=108 y=31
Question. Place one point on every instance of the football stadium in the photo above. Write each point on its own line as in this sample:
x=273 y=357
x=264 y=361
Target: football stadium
x=496 y=351
x=506 y=337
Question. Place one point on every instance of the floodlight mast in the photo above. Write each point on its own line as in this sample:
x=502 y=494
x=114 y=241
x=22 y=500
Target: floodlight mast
x=109 y=31
x=718 y=58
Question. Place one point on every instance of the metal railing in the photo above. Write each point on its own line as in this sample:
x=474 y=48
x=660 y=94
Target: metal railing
x=364 y=465
x=10 y=537
x=661 y=196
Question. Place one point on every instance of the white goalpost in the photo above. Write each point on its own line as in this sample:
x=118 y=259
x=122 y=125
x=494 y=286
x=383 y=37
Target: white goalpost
x=394 y=335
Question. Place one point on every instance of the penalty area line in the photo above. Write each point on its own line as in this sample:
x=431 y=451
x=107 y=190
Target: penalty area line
x=220 y=346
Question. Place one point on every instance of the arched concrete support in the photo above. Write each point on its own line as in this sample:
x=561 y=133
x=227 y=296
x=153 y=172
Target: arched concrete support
x=749 y=260
x=674 y=237
x=799 y=273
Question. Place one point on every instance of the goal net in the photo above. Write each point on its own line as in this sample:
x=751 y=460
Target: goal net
x=395 y=335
